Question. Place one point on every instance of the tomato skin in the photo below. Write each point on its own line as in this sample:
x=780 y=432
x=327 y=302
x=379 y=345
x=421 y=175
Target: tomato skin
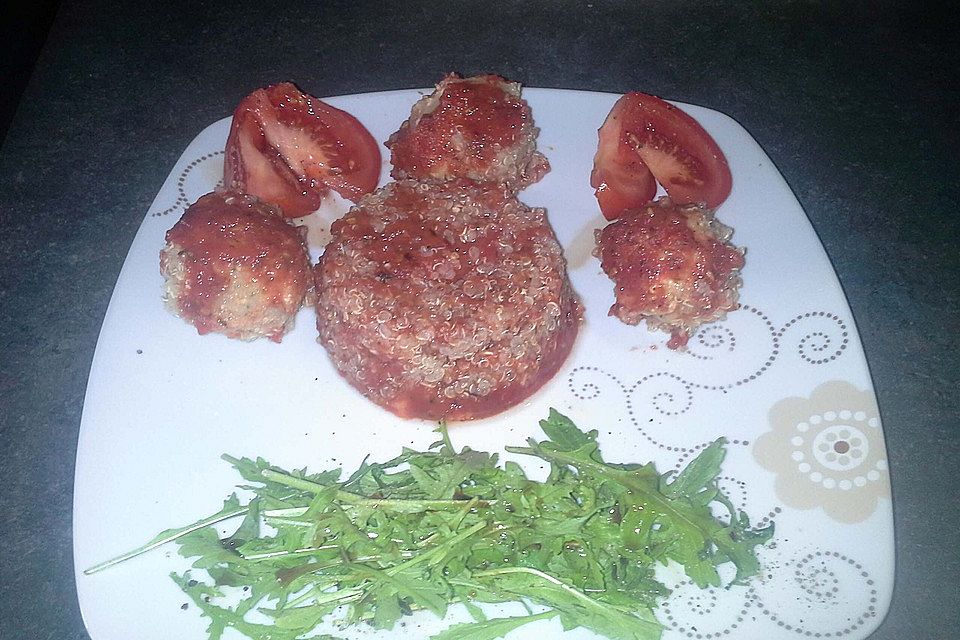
x=645 y=132
x=289 y=149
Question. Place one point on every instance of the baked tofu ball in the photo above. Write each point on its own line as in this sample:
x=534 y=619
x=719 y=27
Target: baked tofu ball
x=445 y=301
x=233 y=265
x=672 y=266
x=477 y=128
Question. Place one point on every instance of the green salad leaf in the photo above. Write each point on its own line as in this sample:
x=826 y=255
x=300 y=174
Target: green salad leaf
x=430 y=529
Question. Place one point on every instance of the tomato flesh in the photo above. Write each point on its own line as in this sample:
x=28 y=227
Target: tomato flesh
x=289 y=149
x=645 y=138
x=621 y=179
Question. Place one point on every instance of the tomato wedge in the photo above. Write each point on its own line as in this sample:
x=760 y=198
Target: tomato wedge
x=289 y=148
x=644 y=138
x=621 y=179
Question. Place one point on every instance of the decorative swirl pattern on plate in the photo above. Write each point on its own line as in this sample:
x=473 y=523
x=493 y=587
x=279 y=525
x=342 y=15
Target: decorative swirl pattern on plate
x=705 y=613
x=748 y=342
x=667 y=393
x=713 y=337
x=734 y=343
x=826 y=337
x=813 y=595
x=820 y=594
x=192 y=183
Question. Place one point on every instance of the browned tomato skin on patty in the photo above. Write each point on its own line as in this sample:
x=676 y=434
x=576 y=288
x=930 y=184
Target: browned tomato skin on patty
x=228 y=243
x=476 y=128
x=672 y=266
x=445 y=301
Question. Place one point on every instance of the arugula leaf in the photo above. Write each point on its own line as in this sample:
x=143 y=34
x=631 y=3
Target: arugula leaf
x=490 y=629
x=249 y=529
x=699 y=473
x=564 y=434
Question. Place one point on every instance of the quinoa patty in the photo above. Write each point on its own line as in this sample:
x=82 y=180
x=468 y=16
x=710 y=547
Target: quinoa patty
x=671 y=265
x=445 y=300
x=233 y=265
x=477 y=128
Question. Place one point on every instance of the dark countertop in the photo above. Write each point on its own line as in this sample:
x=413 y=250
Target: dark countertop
x=856 y=103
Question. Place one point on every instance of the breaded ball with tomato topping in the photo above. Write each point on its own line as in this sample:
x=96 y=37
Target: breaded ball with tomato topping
x=477 y=128
x=233 y=265
x=445 y=301
x=672 y=266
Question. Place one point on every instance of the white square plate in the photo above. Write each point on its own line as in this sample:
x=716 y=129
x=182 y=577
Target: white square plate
x=783 y=378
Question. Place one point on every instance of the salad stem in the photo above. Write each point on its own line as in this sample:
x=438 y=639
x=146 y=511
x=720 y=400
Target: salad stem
x=168 y=537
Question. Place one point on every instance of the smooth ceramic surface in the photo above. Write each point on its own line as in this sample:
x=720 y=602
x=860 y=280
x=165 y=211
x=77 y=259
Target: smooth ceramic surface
x=783 y=379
